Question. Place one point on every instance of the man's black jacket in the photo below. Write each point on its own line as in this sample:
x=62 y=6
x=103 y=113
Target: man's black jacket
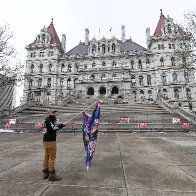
x=49 y=131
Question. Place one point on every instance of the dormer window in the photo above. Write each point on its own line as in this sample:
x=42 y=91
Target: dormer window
x=169 y=28
x=41 y=54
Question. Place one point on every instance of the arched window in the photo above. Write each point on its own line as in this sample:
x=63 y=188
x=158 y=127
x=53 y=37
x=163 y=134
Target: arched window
x=150 y=95
x=163 y=77
x=174 y=76
x=142 y=97
x=49 y=82
x=114 y=90
x=102 y=90
x=90 y=91
x=186 y=76
x=176 y=93
x=113 y=48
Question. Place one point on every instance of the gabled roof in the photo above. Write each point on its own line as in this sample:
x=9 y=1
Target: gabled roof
x=160 y=24
x=81 y=48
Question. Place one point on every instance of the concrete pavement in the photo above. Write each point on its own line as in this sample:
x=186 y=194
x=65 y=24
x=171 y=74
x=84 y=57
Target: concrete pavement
x=125 y=164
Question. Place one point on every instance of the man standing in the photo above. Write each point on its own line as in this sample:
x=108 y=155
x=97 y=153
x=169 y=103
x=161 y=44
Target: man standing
x=50 y=147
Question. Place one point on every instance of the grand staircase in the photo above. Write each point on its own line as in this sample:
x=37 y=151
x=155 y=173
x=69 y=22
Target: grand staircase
x=114 y=117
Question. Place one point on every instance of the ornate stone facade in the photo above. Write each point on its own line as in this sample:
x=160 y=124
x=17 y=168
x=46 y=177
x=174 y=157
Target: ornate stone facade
x=110 y=68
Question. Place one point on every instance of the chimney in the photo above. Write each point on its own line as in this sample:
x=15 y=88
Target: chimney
x=86 y=36
x=123 y=33
x=63 y=42
x=147 y=35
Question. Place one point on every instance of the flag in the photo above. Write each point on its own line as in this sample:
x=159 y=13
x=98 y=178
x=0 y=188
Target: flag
x=90 y=132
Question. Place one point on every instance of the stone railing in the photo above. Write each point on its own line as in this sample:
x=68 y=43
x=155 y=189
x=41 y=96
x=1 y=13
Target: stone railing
x=172 y=108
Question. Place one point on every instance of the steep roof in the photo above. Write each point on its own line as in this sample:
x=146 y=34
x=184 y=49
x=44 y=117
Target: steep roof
x=52 y=32
x=160 y=24
x=126 y=46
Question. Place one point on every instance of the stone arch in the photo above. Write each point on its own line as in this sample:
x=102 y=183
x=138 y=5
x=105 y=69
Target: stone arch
x=115 y=90
x=102 y=90
x=90 y=91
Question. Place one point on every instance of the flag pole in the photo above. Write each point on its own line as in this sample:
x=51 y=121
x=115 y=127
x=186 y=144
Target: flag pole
x=80 y=113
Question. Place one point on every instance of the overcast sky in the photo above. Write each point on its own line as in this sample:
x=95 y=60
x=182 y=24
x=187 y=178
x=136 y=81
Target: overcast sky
x=71 y=17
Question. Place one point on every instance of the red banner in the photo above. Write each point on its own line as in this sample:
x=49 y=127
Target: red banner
x=185 y=124
x=124 y=119
x=142 y=124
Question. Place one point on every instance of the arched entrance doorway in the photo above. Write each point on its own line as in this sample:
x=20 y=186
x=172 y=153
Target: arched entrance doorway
x=115 y=90
x=102 y=90
x=90 y=91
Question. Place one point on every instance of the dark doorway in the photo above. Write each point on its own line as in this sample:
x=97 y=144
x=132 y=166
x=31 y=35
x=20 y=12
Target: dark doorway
x=102 y=91
x=114 y=90
x=90 y=91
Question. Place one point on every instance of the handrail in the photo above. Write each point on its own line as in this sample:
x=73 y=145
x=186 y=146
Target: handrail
x=176 y=109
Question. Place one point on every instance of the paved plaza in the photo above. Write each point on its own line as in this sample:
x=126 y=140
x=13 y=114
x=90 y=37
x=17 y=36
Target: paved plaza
x=125 y=164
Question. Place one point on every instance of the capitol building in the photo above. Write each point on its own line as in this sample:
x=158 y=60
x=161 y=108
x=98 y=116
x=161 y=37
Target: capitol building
x=110 y=69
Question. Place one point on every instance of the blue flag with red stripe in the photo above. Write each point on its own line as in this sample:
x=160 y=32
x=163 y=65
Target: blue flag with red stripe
x=90 y=129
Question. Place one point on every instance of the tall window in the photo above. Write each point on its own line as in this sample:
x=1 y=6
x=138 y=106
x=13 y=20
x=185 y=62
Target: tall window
x=114 y=64
x=132 y=64
x=103 y=48
x=41 y=68
x=103 y=64
x=69 y=83
x=113 y=48
x=50 y=67
x=62 y=67
x=141 y=80
x=174 y=76
x=173 y=61
x=93 y=65
x=93 y=49
x=30 y=83
x=140 y=64
x=39 y=83
x=163 y=77
x=49 y=82
x=148 y=79
x=162 y=61
x=69 y=68
x=61 y=82
x=32 y=68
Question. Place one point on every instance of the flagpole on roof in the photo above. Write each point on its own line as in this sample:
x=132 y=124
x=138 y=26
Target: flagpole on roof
x=80 y=112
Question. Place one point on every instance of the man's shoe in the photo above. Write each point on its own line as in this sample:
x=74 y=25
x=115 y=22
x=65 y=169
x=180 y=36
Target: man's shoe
x=53 y=176
x=45 y=174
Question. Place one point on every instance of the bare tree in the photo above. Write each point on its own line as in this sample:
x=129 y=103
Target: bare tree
x=10 y=70
x=186 y=52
